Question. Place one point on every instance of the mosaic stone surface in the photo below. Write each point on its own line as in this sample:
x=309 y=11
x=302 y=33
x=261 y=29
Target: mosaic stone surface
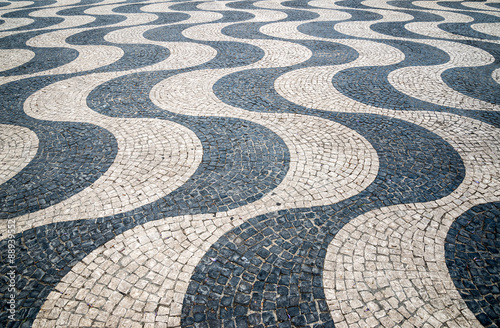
x=234 y=164
x=472 y=257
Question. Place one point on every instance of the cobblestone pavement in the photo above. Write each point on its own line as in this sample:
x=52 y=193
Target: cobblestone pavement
x=247 y=163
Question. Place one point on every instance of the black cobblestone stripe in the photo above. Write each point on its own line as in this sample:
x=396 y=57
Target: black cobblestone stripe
x=472 y=253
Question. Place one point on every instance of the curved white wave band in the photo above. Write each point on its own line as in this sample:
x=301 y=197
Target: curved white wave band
x=425 y=82
x=327 y=160
x=388 y=265
x=18 y=146
x=154 y=156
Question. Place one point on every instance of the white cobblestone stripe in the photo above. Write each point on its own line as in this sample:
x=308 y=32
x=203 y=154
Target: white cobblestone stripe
x=483 y=6
x=382 y=269
x=18 y=146
x=362 y=29
x=438 y=6
x=17 y=5
x=181 y=54
x=195 y=17
x=89 y=57
x=10 y=59
x=312 y=87
x=425 y=83
x=189 y=94
x=496 y=75
x=131 y=18
x=139 y=278
x=329 y=163
x=154 y=156
x=387 y=267
x=488 y=28
x=52 y=11
x=259 y=15
x=432 y=30
x=12 y=23
x=68 y=22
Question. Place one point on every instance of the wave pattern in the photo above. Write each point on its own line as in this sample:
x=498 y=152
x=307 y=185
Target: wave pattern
x=249 y=163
